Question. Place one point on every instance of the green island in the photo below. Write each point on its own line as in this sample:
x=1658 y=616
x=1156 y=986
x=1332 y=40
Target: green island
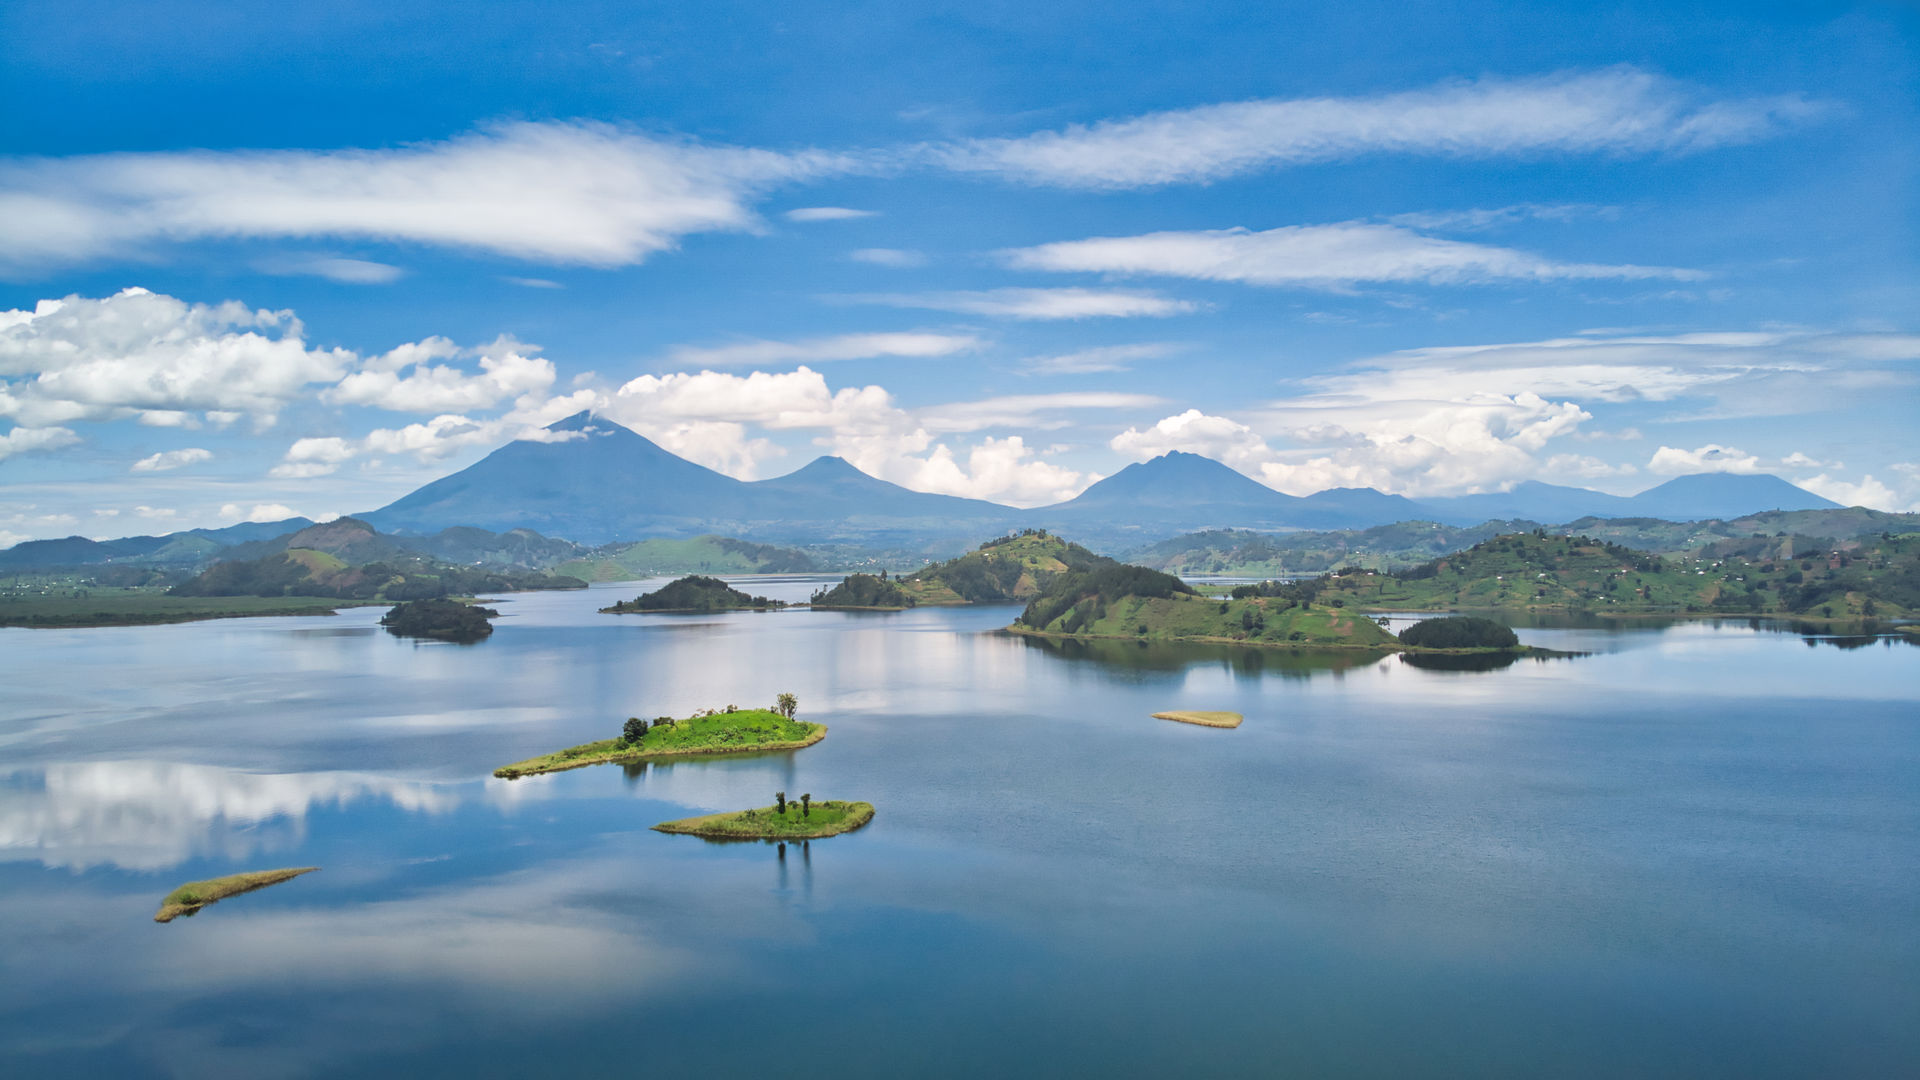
x=194 y=895
x=801 y=819
x=1003 y=570
x=698 y=555
x=441 y=619
x=1122 y=601
x=711 y=731
x=1802 y=577
x=1202 y=717
x=863 y=592
x=695 y=594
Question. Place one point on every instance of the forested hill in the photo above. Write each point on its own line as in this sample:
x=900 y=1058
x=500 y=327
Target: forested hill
x=405 y=576
x=1780 y=575
x=1003 y=570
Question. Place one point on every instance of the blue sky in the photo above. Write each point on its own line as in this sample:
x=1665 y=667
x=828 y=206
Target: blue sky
x=256 y=260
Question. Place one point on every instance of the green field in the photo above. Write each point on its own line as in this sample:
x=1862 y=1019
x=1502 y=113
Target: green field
x=829 y=818
x=1257 y=621
x=99 y=606
x=742 y=731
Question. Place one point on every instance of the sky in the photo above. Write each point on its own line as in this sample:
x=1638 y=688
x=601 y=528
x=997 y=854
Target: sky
x=259 y=259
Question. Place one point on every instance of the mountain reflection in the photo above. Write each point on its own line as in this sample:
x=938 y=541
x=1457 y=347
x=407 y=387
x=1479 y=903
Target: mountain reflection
x=144 y=815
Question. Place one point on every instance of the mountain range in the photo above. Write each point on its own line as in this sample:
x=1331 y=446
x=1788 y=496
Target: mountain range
x=595 y=482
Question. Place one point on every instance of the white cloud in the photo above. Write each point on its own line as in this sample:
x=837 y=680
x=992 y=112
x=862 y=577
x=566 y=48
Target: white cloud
x=1613 y=111
x=506 y=370
x=1476 y=220
x=260 y=512
x=815 y=350
x=1018 y=410
x=1673 y=461
x=156 y=513
x=1002 y=470
x=1315 y=256
x=22 y=440
x=136 y=351
x=579 y=193
x=1868 y=492
x=531 y=282
x=897 y=258
x=827 y=213
x=172 y=459
x=1038 y=303
x=1195 y=432
x=1100 y=358
x=345 y=271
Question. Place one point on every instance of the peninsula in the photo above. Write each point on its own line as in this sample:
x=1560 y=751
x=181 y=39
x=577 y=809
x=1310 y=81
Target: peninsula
x=802 y=819
x=712 y=731
x=693 y=594
x=194 y=895
x=864 y=592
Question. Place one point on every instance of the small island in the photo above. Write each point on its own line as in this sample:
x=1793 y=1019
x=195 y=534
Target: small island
x=194 y=895
x=801 y=819
x=864 y=592
x=731 y=730
x=441 y=619
x=1202 y=718
x=693 y=594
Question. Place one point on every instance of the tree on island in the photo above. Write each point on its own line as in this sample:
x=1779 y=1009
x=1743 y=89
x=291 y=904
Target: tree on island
x=806 y=805
x=780 y=801
x=635 y=729
x=786 y=705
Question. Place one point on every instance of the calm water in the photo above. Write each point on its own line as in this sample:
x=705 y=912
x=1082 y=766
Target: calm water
x=1694 y=852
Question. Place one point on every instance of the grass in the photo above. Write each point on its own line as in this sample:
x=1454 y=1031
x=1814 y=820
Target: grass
x=743 y=731
x=1259 y=621
x=1204 y=719
x=829 y=818
x=195 y=895
x=100 y=606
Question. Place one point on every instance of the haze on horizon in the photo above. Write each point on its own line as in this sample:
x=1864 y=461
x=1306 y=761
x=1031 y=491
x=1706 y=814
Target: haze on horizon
x=982 y=251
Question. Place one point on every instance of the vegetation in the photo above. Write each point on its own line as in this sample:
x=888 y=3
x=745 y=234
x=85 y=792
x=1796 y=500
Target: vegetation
x=52 y=609
x=194 y=895
x=309 y=572
x=1460 y=632
x=693 y=594
x=1016 y=567
x=1133 y=602
x=1871 y=576
x=864 y=591
x=1204 y=719
x=447 y=620
x=802 y=820
x=730 y=730
x=699 y=555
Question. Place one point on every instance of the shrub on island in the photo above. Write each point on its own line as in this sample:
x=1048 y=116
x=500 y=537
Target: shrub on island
x=1460 y=632
x=446 y=620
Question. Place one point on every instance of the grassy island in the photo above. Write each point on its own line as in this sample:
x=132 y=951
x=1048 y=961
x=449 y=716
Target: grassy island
x=713 y=731
x=800 y=820
x=695 y=594
x=195 y=895
x=1204 y=719
x=865 y=592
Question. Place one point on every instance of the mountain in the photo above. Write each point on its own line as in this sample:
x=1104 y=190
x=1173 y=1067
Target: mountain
x=1180 y=492
x=1722 y=495
x=1530 y=500
x=181 y=548
x=829 y=499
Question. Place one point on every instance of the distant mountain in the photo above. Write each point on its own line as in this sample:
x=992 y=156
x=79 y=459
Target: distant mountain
x=1687 y=498
x=1530 y=500
x=829 y=499
x=181 y=548
x=1180 y=492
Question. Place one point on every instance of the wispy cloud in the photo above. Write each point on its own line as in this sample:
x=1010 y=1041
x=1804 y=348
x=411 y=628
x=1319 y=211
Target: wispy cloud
x=827 y=213
x=345 y=271
x=167 y=460
x=1316 y=256
x=897 y=258
x=1037 y=304
x=1100 y=358
x=1614 y=111
x=1026 y=410
x=814 y=350
x=589 y=194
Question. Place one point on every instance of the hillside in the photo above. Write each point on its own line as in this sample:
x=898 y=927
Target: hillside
x=698 y=555
x=1003 y=570
x=1534 y=571
x=1133 y=602
x=864 y=592
x=406 y=576
x=694 y=593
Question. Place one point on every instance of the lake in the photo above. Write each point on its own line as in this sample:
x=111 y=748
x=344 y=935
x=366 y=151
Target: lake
x=1694 y=851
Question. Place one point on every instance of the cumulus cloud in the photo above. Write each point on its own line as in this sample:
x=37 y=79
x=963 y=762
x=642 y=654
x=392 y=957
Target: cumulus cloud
x=827 y=213
x=1867 y=492
x=22 y=440
x=1673 y=461
x=1038 y=304
x=260 y=512
x=578 y=193
x=166 y=460
x=1195 y=432
x=1615 y=111
x=138 y=352
x=1316 y=256
x=408 y=379
x=815 y=350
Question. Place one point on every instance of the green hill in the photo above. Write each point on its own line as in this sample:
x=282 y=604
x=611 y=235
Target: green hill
x=1121 y=601
x=1003 y=570
x=1778 y=575
x=864 y=591
x=693 y=593
x=699 y=555
x=405 y=576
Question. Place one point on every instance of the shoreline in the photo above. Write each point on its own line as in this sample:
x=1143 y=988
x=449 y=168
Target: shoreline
x=194 y=895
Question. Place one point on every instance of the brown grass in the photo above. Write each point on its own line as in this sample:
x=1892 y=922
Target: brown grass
x=1204 y=719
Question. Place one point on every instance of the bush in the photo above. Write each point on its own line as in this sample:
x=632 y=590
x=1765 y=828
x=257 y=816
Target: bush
x=635 y=729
